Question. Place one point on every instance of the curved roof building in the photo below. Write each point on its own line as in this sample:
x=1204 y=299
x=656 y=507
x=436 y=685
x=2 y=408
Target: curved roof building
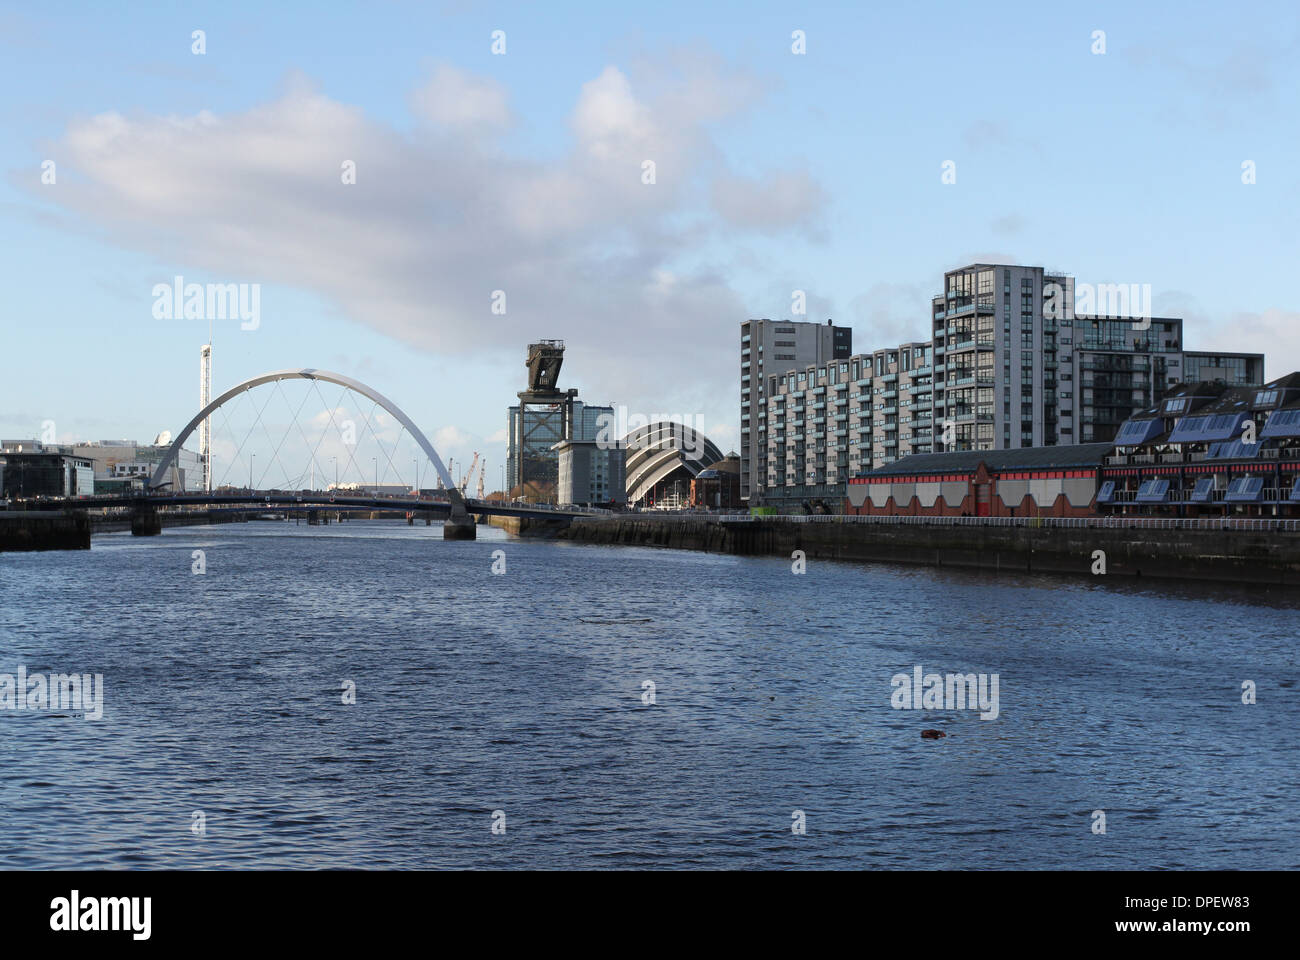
x=662 y=452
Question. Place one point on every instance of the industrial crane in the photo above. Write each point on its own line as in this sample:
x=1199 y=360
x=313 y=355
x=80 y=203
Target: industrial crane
x=482 y=469
x=469 y=474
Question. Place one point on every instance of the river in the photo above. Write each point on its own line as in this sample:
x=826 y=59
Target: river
x=490 y=700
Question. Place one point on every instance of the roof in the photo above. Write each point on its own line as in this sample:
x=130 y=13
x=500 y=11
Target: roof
x=1231 y=400
x=1205 y=397
x=1073 y=455
x=1290 y=381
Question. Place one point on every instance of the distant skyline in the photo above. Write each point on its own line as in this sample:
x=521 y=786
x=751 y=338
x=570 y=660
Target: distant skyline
x=524 y=172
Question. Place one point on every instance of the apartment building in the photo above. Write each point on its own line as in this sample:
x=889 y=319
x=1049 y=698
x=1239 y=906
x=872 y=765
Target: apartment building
x=828 y=421
x=1009 y=365
x=1234 y=369
x=776 y=346
x=999 y=355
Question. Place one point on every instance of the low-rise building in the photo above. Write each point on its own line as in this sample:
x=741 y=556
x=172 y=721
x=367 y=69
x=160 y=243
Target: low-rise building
x=125 y=458
x=1207 y=449
x=1029 y=482
x=44 y=473
x=119 y=486
x=718 y=487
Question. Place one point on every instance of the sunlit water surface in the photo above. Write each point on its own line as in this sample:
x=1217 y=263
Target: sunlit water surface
x=478 y=693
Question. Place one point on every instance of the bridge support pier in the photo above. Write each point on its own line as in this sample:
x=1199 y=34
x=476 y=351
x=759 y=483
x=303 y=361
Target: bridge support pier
x=145 y=523
x=459 y=526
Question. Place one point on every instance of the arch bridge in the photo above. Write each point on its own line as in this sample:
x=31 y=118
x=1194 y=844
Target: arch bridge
x=459 y=524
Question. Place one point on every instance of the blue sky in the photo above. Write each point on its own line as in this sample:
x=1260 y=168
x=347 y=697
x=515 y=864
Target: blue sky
x=522 y=172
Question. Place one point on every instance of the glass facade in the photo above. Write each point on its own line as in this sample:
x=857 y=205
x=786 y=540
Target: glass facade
x=1236 y=370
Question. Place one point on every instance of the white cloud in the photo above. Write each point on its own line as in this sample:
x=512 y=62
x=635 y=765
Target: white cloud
x=887 y=314
x=456 y=100
x=776 y=202
x=450 y=438
x=1274 y=332
x=437 y=221
x=1279 y=329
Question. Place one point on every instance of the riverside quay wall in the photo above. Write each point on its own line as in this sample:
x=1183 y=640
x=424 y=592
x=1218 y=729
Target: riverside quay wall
x=44 y=530
x=1255 y=551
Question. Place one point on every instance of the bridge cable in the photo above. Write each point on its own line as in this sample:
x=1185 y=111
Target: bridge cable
x=334 y=423
x=315 y=385
x=275 y=453
x=243 y=442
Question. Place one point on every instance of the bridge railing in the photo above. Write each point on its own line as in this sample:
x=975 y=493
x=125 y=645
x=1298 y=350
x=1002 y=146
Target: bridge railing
x=243 y=498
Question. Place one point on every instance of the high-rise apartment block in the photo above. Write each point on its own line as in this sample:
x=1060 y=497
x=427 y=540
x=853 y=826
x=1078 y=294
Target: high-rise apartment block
x=1009 y=364
x=770 y=347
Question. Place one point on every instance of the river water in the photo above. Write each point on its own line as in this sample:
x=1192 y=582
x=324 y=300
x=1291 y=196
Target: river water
x=487 y=699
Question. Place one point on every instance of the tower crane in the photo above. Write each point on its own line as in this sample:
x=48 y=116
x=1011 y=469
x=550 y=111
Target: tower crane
x=482 y=469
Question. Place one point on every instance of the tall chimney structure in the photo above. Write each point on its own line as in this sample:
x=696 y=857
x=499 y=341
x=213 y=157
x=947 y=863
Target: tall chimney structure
x=205 y=428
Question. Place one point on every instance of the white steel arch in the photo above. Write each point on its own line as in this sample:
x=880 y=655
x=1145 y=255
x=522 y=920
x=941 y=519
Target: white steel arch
x=158 y=478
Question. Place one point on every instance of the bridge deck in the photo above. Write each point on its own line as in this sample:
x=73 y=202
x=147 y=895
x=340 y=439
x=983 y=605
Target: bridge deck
x=302 y=501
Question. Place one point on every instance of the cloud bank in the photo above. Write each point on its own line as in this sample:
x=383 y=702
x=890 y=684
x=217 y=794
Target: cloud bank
x=443 y=216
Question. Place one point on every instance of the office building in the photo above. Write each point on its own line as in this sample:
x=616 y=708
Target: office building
x=591 y=473
x=44 y=473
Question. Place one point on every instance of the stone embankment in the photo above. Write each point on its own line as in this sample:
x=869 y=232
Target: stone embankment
x=1264 y=554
